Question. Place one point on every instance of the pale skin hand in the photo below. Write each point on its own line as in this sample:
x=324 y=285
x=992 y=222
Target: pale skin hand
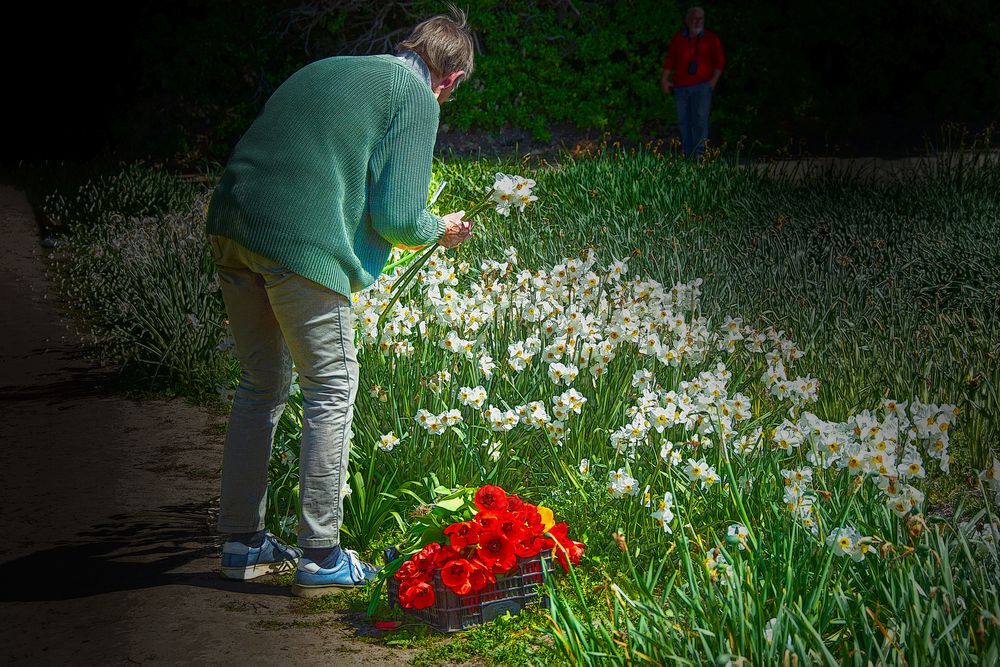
x=715 y=78
x=665 y=81
x=456 y=230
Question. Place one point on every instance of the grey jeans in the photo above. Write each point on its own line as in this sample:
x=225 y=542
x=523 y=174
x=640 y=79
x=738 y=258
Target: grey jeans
x=277 y=318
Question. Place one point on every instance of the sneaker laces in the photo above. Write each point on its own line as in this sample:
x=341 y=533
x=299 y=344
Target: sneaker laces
x=282 y=546
x=357 y=567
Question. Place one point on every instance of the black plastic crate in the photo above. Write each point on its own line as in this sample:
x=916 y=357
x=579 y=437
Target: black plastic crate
x=452 y=612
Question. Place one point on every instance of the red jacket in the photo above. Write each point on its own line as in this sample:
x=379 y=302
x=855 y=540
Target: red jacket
x=705 y=49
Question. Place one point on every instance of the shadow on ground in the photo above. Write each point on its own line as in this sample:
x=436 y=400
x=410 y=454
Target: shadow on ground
x=162 y=547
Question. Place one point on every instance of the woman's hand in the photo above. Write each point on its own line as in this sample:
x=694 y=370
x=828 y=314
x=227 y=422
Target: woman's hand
x=456 y=230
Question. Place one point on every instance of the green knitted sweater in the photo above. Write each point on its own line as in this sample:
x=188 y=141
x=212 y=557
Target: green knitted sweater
x=334 y=172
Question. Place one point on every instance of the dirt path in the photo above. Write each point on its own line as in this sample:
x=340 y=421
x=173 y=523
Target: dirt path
x=108 y=554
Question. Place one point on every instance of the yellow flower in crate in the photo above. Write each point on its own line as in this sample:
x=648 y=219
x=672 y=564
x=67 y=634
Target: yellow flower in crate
x=548 y=518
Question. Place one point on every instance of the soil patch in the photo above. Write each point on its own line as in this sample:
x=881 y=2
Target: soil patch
x=109 y=553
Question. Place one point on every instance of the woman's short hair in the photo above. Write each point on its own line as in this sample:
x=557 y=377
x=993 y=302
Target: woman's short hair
x=444 y=42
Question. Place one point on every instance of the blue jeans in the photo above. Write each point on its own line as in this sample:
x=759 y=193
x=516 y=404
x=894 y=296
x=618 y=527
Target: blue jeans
x=278 y=317
x=694 y=103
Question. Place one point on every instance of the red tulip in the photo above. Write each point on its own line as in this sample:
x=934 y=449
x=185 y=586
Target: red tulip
x=532 y=519
x=445 y=554
x=488 y=521
x=416 y=596
x=574 y=550
x=491 y=498
x=559 y=531
x=455 y=575
x=497 y=552
x=530 y=545
x=512 y=526
x=481 y=575
x=566 y=547
x=514 y=503
x=462 y=534
x=408 y=570
x=426 y=558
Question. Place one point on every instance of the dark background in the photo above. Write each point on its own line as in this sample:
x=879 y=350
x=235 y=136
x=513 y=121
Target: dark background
x=73 y=74
x=180 y=81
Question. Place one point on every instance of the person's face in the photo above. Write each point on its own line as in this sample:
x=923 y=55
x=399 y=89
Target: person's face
x=695 y=21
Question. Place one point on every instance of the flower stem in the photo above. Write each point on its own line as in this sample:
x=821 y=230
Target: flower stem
x=400 y=286
x=405 y=259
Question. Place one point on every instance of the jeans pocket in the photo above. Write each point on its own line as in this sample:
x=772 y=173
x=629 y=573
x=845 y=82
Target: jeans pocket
x=275 y=275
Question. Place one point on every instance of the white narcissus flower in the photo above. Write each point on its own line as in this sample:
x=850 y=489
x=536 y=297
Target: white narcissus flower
x=709 y=478
x=423 y=417
x=641 y=378
x=450 y=417
x=465 y=395
x=501 y=420
x=495 y=417
x=661 y=418
x=738 y=534
x=494 y=450
x=435 y=426
x=666 y=451
x=510 y=191
x=618 y=270
x=906 y=499
x=522 y=192
x=555 y=351
x=533 y=414
x=621 y=484
x=584 y=467
x=695 y=469
x=503 y=193
x=637 y=429
x=438 y=381
x=486 y=365
x=450 y=342
x=793 y=494
x=664 y=512
x=991 y=479
x=556 y=431
x=387 y=442
x=847 y=541
x=557 y=372
x=911 y=465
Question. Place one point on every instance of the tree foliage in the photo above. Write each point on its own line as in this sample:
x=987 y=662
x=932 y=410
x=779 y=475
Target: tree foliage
x=791 y=66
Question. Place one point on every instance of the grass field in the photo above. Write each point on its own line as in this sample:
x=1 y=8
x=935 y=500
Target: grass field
x=779 y=393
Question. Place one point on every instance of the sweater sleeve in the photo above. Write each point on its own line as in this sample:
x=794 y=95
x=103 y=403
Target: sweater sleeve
x=400 y=167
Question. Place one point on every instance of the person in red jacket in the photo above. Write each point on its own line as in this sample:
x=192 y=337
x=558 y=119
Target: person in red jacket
x=695 y=59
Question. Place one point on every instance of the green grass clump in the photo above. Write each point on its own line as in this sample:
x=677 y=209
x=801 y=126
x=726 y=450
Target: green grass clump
x=146 y=286
x=76 y=203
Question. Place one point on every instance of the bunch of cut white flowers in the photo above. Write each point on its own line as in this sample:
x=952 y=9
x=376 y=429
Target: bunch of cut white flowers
x=507 y=192
x=510 y=192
